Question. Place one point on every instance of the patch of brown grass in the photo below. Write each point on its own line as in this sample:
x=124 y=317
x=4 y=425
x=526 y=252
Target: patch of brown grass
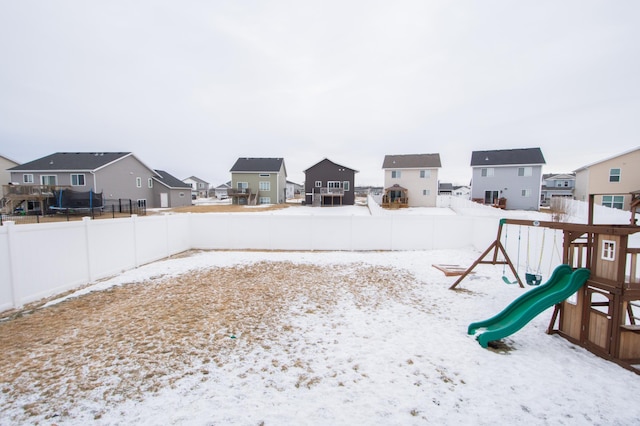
x=127 y=341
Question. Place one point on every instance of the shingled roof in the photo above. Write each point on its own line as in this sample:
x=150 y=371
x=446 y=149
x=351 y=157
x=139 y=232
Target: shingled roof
x=72 y=161
x=507 y=157
x=411 y=161
x=272 y=165
x=169 y=180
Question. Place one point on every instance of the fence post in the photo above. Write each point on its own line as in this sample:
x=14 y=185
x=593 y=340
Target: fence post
x=87 y=239
x=13 y=258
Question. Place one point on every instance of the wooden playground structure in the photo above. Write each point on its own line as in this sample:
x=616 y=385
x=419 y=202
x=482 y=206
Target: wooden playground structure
x=604 y=315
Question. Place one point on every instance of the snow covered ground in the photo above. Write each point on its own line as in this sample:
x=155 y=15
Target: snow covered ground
x=398 y=360
x=371 y=356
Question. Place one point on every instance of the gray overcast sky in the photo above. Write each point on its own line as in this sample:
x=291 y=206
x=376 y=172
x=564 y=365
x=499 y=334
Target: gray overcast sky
x=190 y=86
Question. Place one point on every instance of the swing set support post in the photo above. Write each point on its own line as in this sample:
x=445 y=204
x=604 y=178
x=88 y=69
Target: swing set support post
x=495 y=246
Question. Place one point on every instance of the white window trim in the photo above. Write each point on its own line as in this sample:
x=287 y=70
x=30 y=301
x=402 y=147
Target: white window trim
x=264 y=185
x=27 y=178
x=150 y=182
x=55 y=179
x=318 y=184
x=608 y=250
x=396 y=174
x=619 y=175
x=77 y=175
x=526 y=171
x=138 y=182
x=346 y=185
x=489 y=172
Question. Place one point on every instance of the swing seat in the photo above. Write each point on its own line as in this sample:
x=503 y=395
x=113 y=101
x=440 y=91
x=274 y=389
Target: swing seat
x=533 y=279
x=506 y=280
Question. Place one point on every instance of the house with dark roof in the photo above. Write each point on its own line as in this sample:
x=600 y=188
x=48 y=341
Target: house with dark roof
x=557 y=186
x=509 y=178
x=169 y=191
x=258 y=181
x=114 y=175
x=329 y=184
x=410 y=180
x=199 y=187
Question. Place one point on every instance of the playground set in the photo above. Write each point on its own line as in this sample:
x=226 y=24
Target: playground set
x=595 y=292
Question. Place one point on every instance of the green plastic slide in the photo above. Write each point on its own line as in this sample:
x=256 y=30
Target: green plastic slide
x=563 y=283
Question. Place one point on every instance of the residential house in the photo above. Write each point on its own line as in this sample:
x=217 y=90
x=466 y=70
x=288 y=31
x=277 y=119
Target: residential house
x=293 y=189
x=329 y=184
x=115 y=175
x=258 y=181
x=199 y=187
x=169 y=191
x=411 y=180
x=611 y=179
x=5 y=174
x=462 y=191
x=445 y=188
x=509 y=178
x=557 y=185
x=221 y=192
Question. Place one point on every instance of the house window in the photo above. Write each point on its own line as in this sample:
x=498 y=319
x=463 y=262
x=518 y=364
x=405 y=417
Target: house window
x=614 y=175
x=49 y=180
x=181 y=194
x=426 y=192
x=526 y=193
x=264 y=175
x=264 y=185
x=27 y=178
x=139 y=182
x=525 y=171
x=345 y=185
x=487 y=172
x=242 y=186
x=265 y=200
x=318 y=184
x=150 y=183
x=395 y=174
x=425 y=174
x=333 y=184
x=613 y=201
x=77 y=180
x=608 y=250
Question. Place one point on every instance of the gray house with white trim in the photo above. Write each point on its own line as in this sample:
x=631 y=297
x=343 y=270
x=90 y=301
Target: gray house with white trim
x=117 y=175
x=511 y=175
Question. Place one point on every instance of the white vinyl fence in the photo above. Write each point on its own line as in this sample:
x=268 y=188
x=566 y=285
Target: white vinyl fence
x=42 y=260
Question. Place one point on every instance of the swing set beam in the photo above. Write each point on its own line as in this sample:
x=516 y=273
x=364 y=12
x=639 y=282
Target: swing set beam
x=496 y=246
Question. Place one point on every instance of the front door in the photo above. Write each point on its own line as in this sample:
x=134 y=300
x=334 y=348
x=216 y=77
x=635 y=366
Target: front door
x=164 y=200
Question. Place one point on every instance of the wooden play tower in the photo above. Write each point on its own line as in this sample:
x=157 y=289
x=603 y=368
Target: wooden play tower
x=604 y=315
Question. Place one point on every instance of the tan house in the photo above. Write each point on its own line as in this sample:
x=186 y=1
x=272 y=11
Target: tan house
x=5 y=174
x=612 y=179
x=411 y=180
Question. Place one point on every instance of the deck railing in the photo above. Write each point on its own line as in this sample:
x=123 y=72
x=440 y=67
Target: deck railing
x=27 y=190
x=332 y=191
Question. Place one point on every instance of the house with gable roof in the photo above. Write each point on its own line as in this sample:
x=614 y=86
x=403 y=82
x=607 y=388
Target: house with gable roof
x=556 y=186
x=199 y=187
x=115 y=175
x=612 y=180
x=169 y=191
x=258 y=181
x=411 y=180
x=509 y=178
x=329 y=184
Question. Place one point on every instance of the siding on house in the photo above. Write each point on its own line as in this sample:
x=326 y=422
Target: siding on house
x=117 y=175
x=596 y=178
x=513 y=174
x=318 y=178
x=417 y=173
x=265 y=176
